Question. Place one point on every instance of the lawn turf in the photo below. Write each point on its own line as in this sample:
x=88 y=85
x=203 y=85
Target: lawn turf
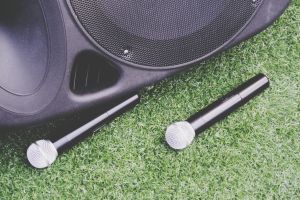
x=252 y=154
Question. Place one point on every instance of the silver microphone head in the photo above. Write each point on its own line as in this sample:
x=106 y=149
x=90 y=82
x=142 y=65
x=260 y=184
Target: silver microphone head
x=41 y=154
x=180 y=135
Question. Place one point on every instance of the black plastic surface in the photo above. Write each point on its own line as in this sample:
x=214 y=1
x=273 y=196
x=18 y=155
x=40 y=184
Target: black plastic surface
x=23 y=39
x=228 y=103
x=39 y=44
x=33 y=58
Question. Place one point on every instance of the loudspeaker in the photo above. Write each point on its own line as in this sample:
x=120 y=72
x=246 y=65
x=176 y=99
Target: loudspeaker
x=60 y=57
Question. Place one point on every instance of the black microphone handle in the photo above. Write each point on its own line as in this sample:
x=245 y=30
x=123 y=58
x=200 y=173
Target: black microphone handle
x=95 y=124
x=228 y=103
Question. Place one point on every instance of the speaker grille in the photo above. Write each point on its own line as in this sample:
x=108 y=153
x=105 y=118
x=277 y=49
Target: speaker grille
x=160 y=33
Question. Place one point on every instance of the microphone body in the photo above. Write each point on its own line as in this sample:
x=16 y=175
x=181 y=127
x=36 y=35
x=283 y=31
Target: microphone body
x=43 y=153
x=95 y=124
x=181 y=134
x=228 y=103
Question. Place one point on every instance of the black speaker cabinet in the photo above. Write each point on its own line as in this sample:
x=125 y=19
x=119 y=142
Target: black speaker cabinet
x=59 y=57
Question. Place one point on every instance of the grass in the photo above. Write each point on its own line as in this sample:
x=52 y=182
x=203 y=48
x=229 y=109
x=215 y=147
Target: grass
x=253 y=154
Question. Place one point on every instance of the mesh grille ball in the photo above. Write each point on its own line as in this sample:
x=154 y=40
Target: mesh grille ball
x=41 y=154
x=160 y=33
x=180 y=135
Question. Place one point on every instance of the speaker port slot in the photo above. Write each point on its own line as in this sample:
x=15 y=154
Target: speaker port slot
x=92 y=73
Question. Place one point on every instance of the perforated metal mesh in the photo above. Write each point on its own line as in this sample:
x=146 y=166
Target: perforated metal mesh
x=163 y=32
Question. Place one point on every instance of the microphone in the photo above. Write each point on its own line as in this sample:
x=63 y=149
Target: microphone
x=181 y=134
x=43 y=153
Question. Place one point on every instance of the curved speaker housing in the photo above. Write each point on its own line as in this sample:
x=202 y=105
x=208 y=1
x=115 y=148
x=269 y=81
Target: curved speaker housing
x=61 y=57
x=166 y=34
